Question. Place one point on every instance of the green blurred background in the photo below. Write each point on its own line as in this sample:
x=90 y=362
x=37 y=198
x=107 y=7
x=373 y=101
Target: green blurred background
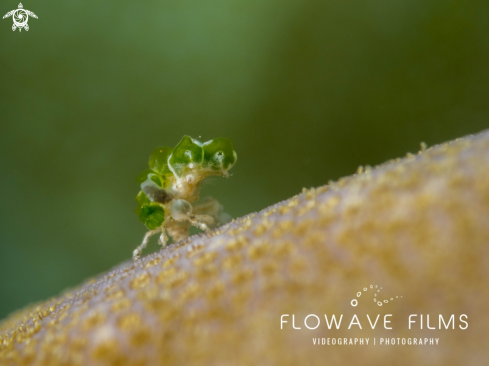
x=308 y=90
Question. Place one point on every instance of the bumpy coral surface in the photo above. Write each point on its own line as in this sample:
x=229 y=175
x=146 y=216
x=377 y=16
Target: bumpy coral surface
x=418 y=227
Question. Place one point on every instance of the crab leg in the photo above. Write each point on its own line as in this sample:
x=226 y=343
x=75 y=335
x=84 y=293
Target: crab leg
x=137 y=252
x=201 y=221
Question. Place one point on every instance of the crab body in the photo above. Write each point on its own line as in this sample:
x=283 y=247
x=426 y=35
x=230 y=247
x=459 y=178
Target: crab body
x=167 y=202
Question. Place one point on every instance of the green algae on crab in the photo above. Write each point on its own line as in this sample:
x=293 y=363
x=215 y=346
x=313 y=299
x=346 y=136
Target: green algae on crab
x=157 y=178
x=158 y=161
x=176 y=173
x=187 y=154
x=152 y=215
x=219 y=154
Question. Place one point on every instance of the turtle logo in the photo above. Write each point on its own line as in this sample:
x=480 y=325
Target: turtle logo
x=20 y=17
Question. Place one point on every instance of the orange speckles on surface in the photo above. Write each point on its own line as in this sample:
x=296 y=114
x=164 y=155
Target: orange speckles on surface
x=177 y=279
x=158 y=303
x=206 y=272
x=193 y=250
x=77 y=344
x=205 y=258
x=269 y=267
x=190 y=291
x=140 y=337
x=140 y=281
x=260 y=230
x=283 y=210
x=165 y=274
x=286 y=225
x=119 y=305
x=114 y=294
x=306 y=208
x=232 y=261
x=153 y=262
x=237 y=243
x=129 y=321
x=282 y=249
x=298 y=265
x=168 y=313
x=170 y=262
x=241 y=276
x=93 y=320
x=107 y=352
x=258 y=250
x=302 y=228
x=215 y=290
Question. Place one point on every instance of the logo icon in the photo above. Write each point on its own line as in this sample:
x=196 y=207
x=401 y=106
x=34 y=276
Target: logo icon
x=354 y=302
x=20 y=17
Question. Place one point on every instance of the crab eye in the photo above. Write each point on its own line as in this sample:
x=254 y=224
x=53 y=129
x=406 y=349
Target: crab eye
x=181 y=210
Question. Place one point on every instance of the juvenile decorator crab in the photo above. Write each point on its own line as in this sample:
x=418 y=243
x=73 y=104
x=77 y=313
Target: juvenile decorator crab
x=170 y=188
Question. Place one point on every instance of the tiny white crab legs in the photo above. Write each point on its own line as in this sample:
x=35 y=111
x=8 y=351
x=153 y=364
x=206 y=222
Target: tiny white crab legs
x=181 y=213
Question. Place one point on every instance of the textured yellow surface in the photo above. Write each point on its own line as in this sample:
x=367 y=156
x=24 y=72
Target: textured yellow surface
x=418 y=227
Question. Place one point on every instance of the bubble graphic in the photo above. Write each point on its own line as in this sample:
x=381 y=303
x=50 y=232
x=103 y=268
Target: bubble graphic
x=379 y=302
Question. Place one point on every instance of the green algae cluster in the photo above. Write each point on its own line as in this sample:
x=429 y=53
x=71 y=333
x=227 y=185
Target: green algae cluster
x=168 y=165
